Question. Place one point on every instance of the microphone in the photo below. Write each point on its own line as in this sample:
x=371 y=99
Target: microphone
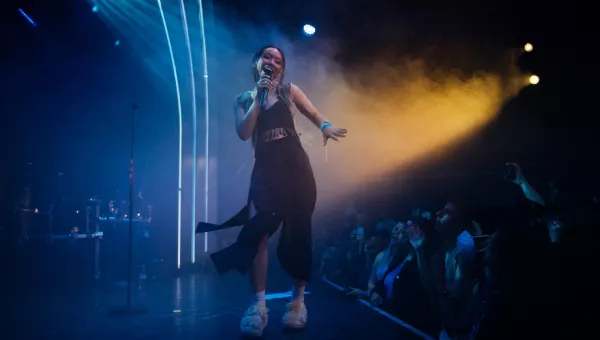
x=268 y=72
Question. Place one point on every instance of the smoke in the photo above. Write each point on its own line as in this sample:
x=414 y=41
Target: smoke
x=400 y=112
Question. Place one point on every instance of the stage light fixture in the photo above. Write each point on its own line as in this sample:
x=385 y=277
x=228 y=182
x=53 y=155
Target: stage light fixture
x=309 y=30
x=534 y=80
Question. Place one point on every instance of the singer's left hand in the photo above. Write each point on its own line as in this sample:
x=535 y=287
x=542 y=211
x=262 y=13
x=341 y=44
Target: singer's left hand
x=333 y=133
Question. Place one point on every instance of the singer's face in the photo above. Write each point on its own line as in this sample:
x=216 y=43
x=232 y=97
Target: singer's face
x=272 y=57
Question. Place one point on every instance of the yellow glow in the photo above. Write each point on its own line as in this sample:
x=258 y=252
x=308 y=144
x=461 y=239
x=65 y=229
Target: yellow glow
x=528 y=47
x=533 y=80
x=411 y=116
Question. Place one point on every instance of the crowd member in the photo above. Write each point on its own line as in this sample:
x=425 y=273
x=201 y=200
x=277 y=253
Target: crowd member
x=330 y=261
x=381 y=263
x=398 y=290
x=526 y=296
x=354 y=261
x=385 y=226
x=513 y=294
x=448 y=273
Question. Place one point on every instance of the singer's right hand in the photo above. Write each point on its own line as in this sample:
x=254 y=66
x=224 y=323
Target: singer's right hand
x=265 y=83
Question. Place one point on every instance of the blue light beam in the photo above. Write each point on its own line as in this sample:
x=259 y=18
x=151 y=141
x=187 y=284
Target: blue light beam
x=27 y=17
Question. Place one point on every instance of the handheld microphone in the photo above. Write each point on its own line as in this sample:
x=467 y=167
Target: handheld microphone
x=268 y=72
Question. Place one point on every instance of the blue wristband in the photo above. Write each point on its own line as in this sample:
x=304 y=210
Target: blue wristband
x=325 y=124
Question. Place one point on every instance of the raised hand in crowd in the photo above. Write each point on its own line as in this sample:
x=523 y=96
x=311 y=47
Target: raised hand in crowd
x=516 y=176
x=415 y=235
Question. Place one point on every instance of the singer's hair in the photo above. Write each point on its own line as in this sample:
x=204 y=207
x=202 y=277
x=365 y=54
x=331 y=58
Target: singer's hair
x=259 y=54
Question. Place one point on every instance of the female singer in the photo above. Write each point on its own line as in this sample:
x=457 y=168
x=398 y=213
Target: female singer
x=282 y=189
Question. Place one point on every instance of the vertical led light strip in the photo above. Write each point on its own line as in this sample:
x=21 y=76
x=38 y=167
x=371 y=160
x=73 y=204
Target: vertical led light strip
x=194 y=128
x=162 y=14
x=206 y=159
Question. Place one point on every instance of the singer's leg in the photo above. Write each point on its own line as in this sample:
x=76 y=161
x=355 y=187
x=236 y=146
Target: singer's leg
x=256 y=318
x=258 y=272
x=295 y=256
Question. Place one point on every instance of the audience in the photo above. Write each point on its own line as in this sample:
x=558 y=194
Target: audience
x=448 y=278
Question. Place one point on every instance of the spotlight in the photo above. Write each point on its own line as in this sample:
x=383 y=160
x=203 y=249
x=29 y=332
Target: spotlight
x=528 y=47
x=309 y=30
x=95 y=9
x=534 y=80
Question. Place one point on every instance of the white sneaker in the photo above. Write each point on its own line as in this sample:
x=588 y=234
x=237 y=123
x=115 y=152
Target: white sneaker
x=296 y=314
x=255 y=320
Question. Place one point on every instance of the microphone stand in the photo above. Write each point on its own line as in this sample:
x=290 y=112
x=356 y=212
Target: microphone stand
x=128 y=309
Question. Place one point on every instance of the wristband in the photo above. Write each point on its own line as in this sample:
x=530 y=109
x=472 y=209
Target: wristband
x=325 y=124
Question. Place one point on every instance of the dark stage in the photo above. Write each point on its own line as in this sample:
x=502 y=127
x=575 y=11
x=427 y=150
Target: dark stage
x=201 y=306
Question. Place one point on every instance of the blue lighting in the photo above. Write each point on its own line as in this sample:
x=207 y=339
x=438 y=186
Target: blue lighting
x=118 y=42
x=95 y=9
x=27 y=17
x=281 y=295
x=309 y=30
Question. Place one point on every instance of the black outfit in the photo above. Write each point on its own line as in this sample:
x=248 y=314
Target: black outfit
x=282 y=190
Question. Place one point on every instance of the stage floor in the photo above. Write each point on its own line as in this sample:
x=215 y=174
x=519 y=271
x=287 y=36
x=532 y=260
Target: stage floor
x=201 y=306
